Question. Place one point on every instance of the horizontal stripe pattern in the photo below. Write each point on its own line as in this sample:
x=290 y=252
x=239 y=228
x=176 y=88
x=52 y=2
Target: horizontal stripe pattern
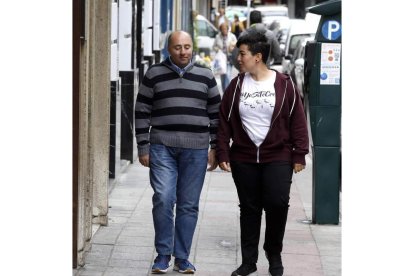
x=180 y=93
x=144 y=99
x=177 y=111
x=191 y=111
x=215 y=100
x=182 y=128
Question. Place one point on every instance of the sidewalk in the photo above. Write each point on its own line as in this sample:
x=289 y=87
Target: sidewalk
x=125 y=246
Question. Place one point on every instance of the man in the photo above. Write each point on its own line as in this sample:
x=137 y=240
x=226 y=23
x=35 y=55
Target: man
x=225 y=41
x=176 y=119
x=256 y=25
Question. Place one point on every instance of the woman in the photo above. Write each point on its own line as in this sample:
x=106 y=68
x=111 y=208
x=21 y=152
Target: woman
x=221 y=18
x=262 y=113
x=237 y=26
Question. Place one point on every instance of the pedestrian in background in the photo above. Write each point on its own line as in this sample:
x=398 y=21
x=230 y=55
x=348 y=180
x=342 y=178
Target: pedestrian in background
x=176 y=119
x=225 y=41
x=221 y=18
x=261 y=112
x=256 y=25
x=237 y=26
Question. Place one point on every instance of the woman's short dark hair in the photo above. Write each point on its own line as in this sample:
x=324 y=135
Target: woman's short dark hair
x=256 y=43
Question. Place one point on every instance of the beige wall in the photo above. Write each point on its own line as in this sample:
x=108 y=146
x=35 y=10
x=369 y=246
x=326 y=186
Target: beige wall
x=94 y=105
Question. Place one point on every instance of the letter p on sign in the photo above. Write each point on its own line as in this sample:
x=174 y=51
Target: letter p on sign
x=331 y=29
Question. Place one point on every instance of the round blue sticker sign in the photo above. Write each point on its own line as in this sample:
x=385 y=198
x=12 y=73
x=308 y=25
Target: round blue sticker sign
x=331 y=29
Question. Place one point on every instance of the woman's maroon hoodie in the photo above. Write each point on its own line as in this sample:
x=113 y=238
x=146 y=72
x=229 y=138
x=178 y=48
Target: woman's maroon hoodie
x=287 y=139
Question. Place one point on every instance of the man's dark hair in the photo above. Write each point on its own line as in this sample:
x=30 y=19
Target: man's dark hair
x=256 y=43
x=255 y=17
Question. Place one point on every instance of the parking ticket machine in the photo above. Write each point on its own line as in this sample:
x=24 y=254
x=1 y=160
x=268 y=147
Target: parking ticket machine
x=323 y=86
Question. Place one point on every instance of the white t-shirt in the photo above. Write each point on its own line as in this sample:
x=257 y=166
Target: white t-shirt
x=257 y=102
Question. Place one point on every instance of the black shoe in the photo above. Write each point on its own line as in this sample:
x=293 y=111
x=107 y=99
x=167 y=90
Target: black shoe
x=275 y=264
x=244 y=270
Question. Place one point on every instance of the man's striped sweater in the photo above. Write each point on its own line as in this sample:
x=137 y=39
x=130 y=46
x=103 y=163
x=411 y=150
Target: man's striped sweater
x=177 y=110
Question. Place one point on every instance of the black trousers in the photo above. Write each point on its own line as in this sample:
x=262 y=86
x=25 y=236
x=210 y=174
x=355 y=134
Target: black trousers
x=262 y=186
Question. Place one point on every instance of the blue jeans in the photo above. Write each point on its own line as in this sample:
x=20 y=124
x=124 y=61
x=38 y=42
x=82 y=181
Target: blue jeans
x=226 y=78
x=177 y=177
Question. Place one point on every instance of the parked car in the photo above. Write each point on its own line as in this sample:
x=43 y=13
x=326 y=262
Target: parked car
x=271 y=13
x=280 y=27
x=296 y=70
x=313 y=20
x=298 y=30
x=206 y=33
x=241 y=11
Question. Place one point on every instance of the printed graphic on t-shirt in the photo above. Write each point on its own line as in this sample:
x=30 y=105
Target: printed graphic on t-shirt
x=258 y=99
x=257 y=103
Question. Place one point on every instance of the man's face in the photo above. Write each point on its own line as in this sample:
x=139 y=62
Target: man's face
x=180 y=49
x=224 y=29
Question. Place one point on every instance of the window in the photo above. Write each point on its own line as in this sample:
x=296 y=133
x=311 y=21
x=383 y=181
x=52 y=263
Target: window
x=202 y=28
x=294 y=42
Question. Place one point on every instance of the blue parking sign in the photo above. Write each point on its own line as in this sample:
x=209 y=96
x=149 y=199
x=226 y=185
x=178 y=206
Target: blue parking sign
x=331 y=29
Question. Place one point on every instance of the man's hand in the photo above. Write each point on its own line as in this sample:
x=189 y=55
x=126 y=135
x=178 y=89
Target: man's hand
x=298 y=167
x=212 y=161
x=225 y=166
x=144 y=160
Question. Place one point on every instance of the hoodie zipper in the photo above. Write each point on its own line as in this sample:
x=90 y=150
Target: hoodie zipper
x=234 y=95
x=228 y=119
x=271 y=125
x=281 y=106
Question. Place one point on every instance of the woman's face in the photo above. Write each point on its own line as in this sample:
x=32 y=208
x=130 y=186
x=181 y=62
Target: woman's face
x=246 y=60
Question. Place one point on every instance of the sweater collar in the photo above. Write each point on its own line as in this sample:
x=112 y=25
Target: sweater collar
x=168 y=61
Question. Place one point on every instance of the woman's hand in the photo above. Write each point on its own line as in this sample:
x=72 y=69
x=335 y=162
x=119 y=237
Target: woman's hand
x=225 y=166
x=298 y=167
